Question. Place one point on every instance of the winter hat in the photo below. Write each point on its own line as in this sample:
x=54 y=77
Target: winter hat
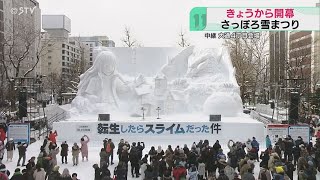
x=223 y=161
x=40 y=154
x=56 y=168
x=181 y=151
x=17 y=170
x=2 y=168
x=11 y=139
x=279 y=170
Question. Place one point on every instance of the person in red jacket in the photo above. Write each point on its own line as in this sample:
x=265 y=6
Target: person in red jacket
x=2 y=135
x=318 y=134
x=53 y=136
x=179 y=172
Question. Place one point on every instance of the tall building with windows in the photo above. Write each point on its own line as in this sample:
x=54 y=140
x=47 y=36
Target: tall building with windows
x=63 y=57
x=21 y=28
x=91 y=42
x=277 y=59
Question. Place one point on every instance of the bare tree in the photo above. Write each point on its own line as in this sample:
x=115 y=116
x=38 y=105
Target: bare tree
x=128 y=39
x=183 y=42
x=22 y=50
x=248 y=57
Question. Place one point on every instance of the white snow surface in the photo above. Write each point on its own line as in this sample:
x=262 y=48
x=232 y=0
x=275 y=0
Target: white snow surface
x=85 y=170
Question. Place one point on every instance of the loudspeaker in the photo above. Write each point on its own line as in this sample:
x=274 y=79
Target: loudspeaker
x=23 y=109
x=294 y=107
x=272 y=105
x=104 y=117
x=215 y=117
x=44 y=104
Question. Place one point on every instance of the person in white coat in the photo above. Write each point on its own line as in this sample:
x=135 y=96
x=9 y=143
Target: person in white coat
x=143 y=168
x=193 y=173
x=53 y=155
x=229 y=171
x=39 y=173
x=201 y=170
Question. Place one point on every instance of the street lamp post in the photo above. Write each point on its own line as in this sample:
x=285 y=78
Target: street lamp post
x=143 y=109
x=158 y=109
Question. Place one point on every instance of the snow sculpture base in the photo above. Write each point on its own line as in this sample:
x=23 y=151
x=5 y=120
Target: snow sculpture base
x=236 y=128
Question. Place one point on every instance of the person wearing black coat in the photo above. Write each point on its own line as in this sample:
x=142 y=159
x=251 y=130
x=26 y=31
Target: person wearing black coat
x=22 y=148
x=192 y=159
x=97 y=172
x=148 y=173
x=121 y=171
x=296 y=154
x=216 y=146
x=288 y=144
x=64 y=152
x=211 y=164
x=120 y=148
x=134 y=160
x=140 y=148
x=290 y=169
x=162 y=167
x=233 y=160
x=264 y=156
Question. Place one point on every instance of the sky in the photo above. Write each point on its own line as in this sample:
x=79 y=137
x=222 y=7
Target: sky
x=153 y=23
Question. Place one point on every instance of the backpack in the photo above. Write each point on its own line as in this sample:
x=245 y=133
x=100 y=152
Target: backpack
x=263 y=175
x=108 y=148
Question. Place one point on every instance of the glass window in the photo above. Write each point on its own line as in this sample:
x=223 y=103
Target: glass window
x=63 y=51
x=63 y=63
x=63 y=57
x=63 y=45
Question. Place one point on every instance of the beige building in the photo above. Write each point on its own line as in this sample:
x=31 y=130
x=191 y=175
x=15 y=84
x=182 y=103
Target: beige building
x=63 y=57
x=91 y=42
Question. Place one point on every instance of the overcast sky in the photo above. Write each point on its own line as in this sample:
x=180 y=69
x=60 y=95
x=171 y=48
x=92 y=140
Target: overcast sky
x=153 y=22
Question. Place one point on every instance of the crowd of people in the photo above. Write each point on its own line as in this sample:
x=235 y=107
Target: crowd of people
x=201 y=160
x=208 y=161
x=45 y=166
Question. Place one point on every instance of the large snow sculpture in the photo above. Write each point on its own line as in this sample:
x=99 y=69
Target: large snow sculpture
x=193 y=81
x=97 y=87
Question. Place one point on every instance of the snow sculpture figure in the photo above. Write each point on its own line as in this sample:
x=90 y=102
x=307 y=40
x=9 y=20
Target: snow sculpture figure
x=194 y=81
x=209 y=83
x=98 y=85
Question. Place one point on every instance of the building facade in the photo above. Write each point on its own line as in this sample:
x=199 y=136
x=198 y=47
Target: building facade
x=300 y=59
x=64 y=59
x=91 y=42
x=277 y=59
x=21 y=27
